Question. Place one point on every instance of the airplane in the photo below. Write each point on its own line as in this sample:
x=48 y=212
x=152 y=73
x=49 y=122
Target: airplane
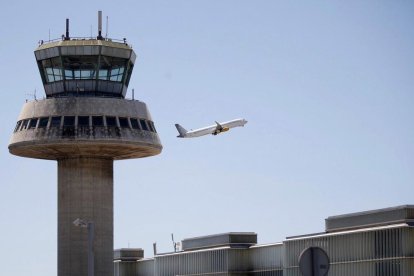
x=214 y=129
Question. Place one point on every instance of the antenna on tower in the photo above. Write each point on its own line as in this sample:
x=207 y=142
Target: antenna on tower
x=67 y=29
x=99 y=25
x=174 y=243
x=154 y=248
x=32 y=95
x=107 y=24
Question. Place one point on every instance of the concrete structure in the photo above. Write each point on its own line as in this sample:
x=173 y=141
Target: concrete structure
x=85 y=123
x=373 y=243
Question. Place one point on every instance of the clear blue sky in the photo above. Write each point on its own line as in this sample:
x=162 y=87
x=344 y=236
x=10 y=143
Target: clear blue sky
x=327 y=88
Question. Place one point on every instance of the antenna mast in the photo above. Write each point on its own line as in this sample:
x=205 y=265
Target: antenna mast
x=174 y=243
x=99 y=25
x=67 y=29
x=32 y=95
x=107 y=23
x=154 y=248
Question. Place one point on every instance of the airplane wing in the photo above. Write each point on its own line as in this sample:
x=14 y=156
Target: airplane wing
x=218 y=127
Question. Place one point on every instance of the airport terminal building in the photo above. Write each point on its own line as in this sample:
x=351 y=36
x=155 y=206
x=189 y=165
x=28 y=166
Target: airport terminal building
x=377 y=243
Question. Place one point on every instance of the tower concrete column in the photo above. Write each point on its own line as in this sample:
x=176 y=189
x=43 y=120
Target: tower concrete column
x=85 y=191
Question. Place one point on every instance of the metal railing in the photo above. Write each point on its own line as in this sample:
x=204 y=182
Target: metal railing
x=80 y=38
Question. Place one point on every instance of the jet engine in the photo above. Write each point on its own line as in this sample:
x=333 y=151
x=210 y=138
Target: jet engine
x=220 y=130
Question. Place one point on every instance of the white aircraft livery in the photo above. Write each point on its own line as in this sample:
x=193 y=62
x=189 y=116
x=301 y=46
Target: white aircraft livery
x=214 y=129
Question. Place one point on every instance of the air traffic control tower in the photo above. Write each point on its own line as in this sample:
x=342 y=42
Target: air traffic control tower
x=85 y=123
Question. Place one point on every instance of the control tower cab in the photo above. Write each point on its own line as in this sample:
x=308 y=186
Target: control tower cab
x=94 y=67
x=85 y=123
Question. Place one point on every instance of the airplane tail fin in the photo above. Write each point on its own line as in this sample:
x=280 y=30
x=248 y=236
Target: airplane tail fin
x=181 y=130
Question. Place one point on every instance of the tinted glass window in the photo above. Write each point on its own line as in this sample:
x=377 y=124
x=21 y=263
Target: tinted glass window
x=80 y=67
x=69 y=74
x=131 y=66
x=69 y=121
x=110 y=121
x=17 y=126
x=24 y=124
x=33 y=123
x=134 y=123
x=97 y=121
x=52 y=69
x=143 y=124
x=43 y=122
x=83 y=121
x=151 y=124
x=123 y=122
x=112 y=68
x=116 y=74
x=55 y=122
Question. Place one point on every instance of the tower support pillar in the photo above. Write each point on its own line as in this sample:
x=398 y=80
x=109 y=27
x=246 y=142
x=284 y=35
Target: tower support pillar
x=85 y=192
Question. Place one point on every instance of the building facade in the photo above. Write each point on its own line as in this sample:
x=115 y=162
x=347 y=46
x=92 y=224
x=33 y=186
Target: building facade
x=377 y=243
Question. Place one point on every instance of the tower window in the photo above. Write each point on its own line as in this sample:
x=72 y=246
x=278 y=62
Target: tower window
x=55 y=122
x=135 y=123
x=116 y=74
x=68 y=74
x=84 y=74
x=33 y=123
x=24 y=124
x=83 y=121
x=152 y=127
x=112 y=68
x=143 y=124
x=111 y=121
x=95 y=74
x=69 y=121
x=80 y=67
x=123 y=122
x=52 y=69
x=17 y=126
x=97 y=121
x=128 y=77
x=43 y=122
x=103 y=74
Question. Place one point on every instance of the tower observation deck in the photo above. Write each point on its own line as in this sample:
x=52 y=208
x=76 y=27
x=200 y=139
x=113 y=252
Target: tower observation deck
x=85 y=123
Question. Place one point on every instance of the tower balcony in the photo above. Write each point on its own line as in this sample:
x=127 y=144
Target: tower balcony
x=59 y=128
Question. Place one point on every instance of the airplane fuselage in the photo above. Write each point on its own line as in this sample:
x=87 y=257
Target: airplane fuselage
x=213 y=129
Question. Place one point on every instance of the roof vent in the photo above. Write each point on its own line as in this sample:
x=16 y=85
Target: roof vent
x=232 y=239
